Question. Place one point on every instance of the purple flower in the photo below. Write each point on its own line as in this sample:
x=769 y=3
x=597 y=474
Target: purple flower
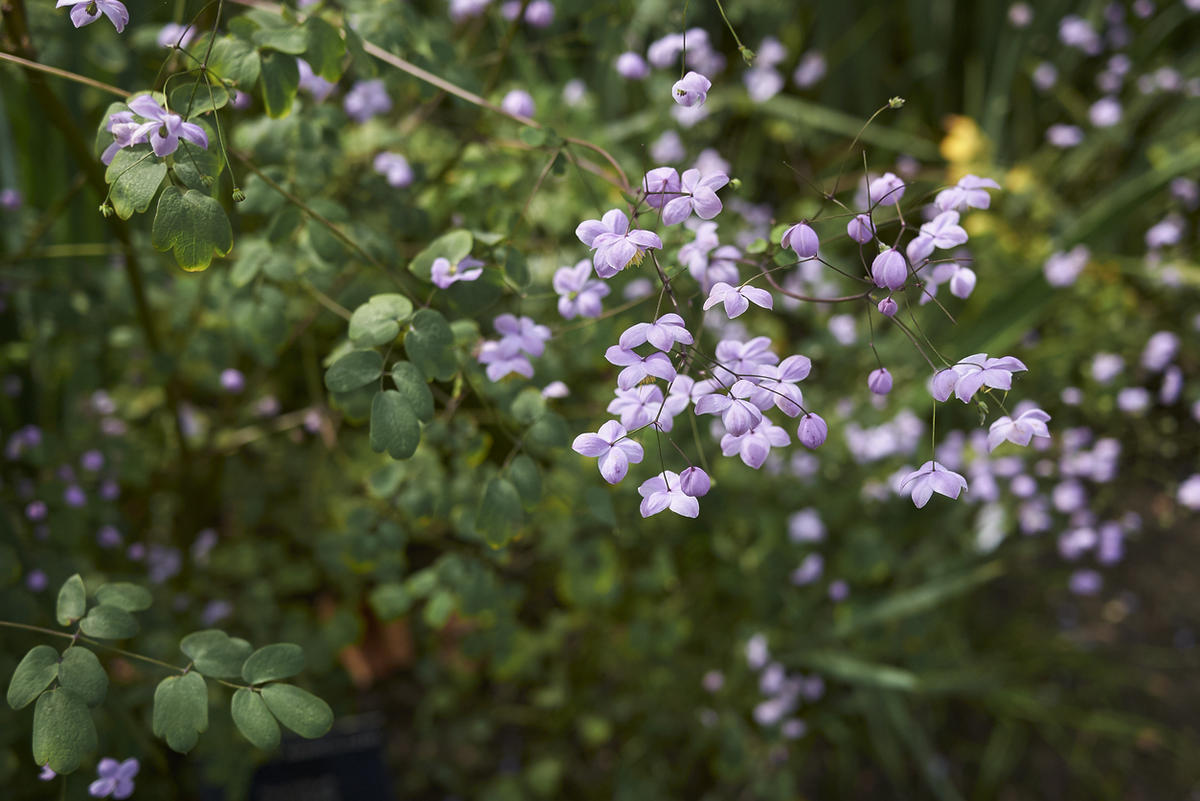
x=886 y=190
x=887 y=307
x=932 y=477
x=173 y=34
x=503 y=358
x=1133 y=400
x=638 y=368
x=667 y=147
x=615 y=451
x=555 y=389
x=861 y=229
x=695 y=482
x=695 y=194
x=116 y=778
x=755 y=445
x=1085 y=582
x=889 y=270
x=35 y=511
x=36 y=580
x=812 y=430
x=734 y=358
x=962 y=283
x=1105 y=112
x=443 y=273
x=665 y=50
x=802 y=239
x=810 y=570
x=737 y=299
x=312 y=83
x=642 y=405
x=810 y=69
x=806 y=526
x=1106 y=367
x=74 y=496
x=665 y=491
x=977 y=371
x=1064 y=136
x=232 y=380
x=1021 y=430
x=632 y=67
x=85 y=12
x=1160 y=350
x=10 y=199
x=615 y=245
x=942 y=232
x=880 y=381
x=970 y=192
x=539 y=13
x=108 y=537
x=1061 y=269
x=838 y=591
x=661 y=185
x=738 y=412
x=1020 y=15
x=165 y=128
x=1075 y=31
x=1188 y=493
x=528 y=335
x=395 y=168
x=366 y=99
x=762 y=83
x=47 y=773
x=215 y=611
x=518 y=103
x=92 y=461
x=663 y=333
x=1045 y=75
x=691 y=90
x=579 y=294
x=462 y=10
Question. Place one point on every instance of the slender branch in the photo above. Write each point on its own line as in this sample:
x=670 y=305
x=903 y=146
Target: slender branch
x=70 y=76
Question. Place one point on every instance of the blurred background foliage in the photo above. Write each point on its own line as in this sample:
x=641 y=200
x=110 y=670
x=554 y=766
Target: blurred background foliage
x=572 y=663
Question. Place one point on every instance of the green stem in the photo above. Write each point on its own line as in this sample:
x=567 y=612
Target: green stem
x=746 y=52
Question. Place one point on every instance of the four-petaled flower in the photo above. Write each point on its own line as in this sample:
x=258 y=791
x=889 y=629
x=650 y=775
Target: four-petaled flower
x=443 y=273
x=1021 y=430
x=698 y=194
x=164 y=127
x=755 y=445
x=663 y=333
x=394 y=167
x=528 y=335
x=974 y=372
x=691 y=89
x=942 y=232
x=665 y=491
x=116 y=778
x=737 y=299
x=614 y=449
x=932 y=477
x=738 y=411
x=126 y=133
x=615 y=245
x=969 y=192
x=85 y=12
x=638 y=368
x=661 y=186
x=578 y=293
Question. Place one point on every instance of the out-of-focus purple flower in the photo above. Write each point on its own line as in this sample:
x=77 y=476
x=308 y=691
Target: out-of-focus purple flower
x=205 y=541
x=443 y=273
x=806 y=526
x=668 y=147
x=232 y=380
x=889 y=270
x=1045 y=75
x=664 y=51
x=1183 y=189
x=1086 y=582
x=164 y=128
x=85 y=12
x=1106 y=367
x=1165 y=232
x=929 y=478
x=665 y=491
x=880 y=381
x=115 y=778
x=614 y=450
x=175 y=35
x=240 y=101
x=810 y=70
x=1069 y=496
x=1111 y=547
x=366 y=99
x=312 y=83
x=215 y=611
x=1133 y=400
x=886 y=190
x=713 y=681
x=162 y=562
x=519 y=103
x=74 y=496
x=969 y=193
x=36 y=580
x=1020 y=15
x=632 y=67
x=1019 y=430
x=812 y=430
x=639 y=368
x=10 y=199
x=556 y=389
x=108 y=537
x=395 y=168
x=737 y=299
x=762 y=83
x=691 y=90
x=539 y=13
x=616 y=246
x=110 y=490
x=35 y=511
x=695 y=482
x=839 y=591
x=47 y=773
x=1105 y=112
x=1061 y=269
x=1064 y=136
x=1188 y=493
x=802 y=239
x=463 y=10
x=579 y=294
x=810 y=569
x=1074 y=31
x=92 y=461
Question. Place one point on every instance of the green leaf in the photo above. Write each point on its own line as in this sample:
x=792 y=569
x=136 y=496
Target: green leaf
x=515 y=267
x=134 y=177
x=500 y=515
x=378 y=321
x=108 y=623
x=394 y=426
x=547 y=435
x=208 y=96
x=326 y=50
x=236 y=60
x=853 y=670
x=299 y=710
x=389 y=600
x=356 y=369
x=72 y=601
x=528 y=406
x=429 y=344
x=193 y=225
x=534 y=137
x=453 y=246
x=254 y=720
x=525 y=476
x=280 y=660
x=34 y=673
x=411 y=384
x=124 y=595
x=81 y=673
x=919 y=599
x=181 y=710
x=279 y=79
x=293 y=41
x=63 y=731
x=214 y=653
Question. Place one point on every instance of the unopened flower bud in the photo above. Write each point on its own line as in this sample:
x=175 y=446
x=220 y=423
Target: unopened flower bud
x=106 y=209
x=861 y=229
x=880 y=381
x=695 y=482
x=887 y=307
x=238 y=195
x=812 y=431
x=802 y=239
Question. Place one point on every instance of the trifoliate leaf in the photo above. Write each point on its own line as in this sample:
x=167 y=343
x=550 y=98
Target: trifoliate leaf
x=394 y=426
x=34 y=673
x=356 y=369
x=411 y=384
x=193 y=225
x=63 y=731
x=214 y=653
x=181 y=710
x=134 y=177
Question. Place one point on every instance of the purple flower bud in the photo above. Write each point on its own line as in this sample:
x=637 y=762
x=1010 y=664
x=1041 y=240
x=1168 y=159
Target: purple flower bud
x=695 y=482
x=812 y=430
x=889 y=270
x=802 y=239
x=36 y=580
x=110 y=490
x=1086 y=582
x=838 y=591
x=35 y=511
x=92 y=461
x=713 y=681
x=232 y=381
x=632 y=67
x=880 y=381
x=861 y=229
x=10 y=200
x=691 y=90
x=539 y=13
x=887 y=307
x=74 y=496
x=136 y=552
x=519 y=103
x=108 y=537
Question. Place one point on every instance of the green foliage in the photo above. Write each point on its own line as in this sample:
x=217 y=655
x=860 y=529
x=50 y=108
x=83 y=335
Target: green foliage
x=499 y=517
x=81 y=673
x=34 y=673
x=193 y=225
x=377 y=322
x=134 y=178
x=353 y=370
x=214 y=653
x=63 y=731
x=235 y=60
x=279 y=80
x=124 y=595
x=272 y=662
x=181 y=710
x=253 y=719
x=429 y=344
x=298 y=710
x=72 y=601
x=108 y=623
x=394 y=425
